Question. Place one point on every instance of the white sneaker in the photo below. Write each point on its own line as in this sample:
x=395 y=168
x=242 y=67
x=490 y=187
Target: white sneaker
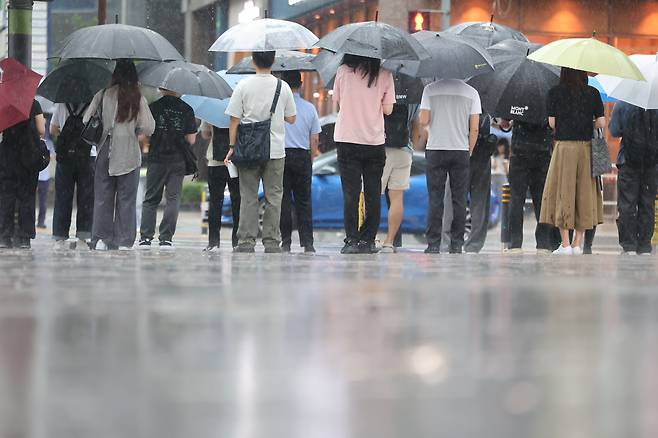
x=563 y=250
x=628 y=253
x=211 y=249
x=576 y=250
x=126 y=248
x=543 y=251
x=82 y=245
x=387 y=249
x=101 y=246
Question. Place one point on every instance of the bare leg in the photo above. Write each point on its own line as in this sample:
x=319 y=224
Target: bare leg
x=395 y=214
x=564 y=234
x=578 y=238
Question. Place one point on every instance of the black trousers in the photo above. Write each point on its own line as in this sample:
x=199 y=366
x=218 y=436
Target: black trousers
x=297 y=177
x=440 y=165
x=18 y=188
x=218 y=179
x=76 y=176
x=359 y=163
x=479 y=202
x=636 y=192
x=528 y=171
x=42 y=191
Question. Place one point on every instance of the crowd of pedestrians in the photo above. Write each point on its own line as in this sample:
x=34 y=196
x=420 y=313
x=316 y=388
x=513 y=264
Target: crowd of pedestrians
x=375 y=136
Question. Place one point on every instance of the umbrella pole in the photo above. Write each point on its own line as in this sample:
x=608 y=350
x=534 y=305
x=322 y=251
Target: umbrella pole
x=20 y=31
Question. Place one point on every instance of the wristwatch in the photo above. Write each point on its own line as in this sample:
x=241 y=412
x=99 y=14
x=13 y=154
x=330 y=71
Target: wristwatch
x=231 y=146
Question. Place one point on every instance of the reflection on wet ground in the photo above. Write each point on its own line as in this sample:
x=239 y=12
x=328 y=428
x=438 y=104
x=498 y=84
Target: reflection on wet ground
x=180 y=344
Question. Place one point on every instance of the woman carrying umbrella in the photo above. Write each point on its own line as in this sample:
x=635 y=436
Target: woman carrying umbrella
x=571 y=199
x=126 y=115
x=365 y=94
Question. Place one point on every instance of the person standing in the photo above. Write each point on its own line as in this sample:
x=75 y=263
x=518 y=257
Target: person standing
x=301 y=142
x=528 y=168
x=43 y=185
x=175 y=129
x=74 y=173
x=126 y=117
x=636 y=182
x=451 y=110
x=251 y=102
x=218 y=179
x=397 y=171
x=18 y=184
x=365 y=94
x=572 y=199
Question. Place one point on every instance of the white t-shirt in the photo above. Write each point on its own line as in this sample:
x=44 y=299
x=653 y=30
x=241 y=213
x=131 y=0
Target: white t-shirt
x=251 y=102
x=451 y=103
x=60 y=114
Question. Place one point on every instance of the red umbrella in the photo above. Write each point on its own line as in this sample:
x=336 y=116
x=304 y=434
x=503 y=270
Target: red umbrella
x=18 y=86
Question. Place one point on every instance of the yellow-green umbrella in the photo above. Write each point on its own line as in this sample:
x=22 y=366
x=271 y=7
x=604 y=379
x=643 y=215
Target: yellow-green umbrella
x=588 y=54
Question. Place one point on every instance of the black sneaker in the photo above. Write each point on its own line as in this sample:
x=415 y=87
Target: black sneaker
x=433 y=249
x=456 y=251
x=351 y=248
x=24 y=244
x=166 y=244
x=368 y=248
x=244 y=248
x=285 y=247
x=273 y=249
x=5 y=243
x=309 y=249
x=42 y=226
x=144 y=243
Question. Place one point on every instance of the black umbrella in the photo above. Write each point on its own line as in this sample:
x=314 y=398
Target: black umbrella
x=117 y=41
x=285 y=60
x=511 y=48
x=451 y=57
x=374 y=40
x=486 y=33
x=76 y=80
x=184 y=78
x=517 y=89
x=408 y=90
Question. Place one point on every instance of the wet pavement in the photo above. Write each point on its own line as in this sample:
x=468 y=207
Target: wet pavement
x=180 y=344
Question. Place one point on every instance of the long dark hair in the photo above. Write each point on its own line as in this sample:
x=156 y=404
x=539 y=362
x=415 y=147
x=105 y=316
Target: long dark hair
x=125 y=76
x=575 y=80
x=369 y=67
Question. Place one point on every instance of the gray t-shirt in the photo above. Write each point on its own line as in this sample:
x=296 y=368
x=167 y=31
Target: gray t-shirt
x=451 y=103
x=251 y=102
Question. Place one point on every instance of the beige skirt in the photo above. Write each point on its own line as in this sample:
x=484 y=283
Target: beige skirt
x=572 y=198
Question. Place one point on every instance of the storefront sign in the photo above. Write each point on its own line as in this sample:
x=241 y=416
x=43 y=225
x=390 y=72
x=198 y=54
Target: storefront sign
x=294 y=8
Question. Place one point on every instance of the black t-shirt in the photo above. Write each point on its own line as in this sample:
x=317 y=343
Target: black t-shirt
x=174 y=119
x=16 y=135
x=574 y=112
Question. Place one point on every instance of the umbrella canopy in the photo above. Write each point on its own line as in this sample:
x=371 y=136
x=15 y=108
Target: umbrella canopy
x=117 y=41
x=638 y=93
x=486 y=33
x=77 y=80
x=285 y=60
x=517 y=89
x=374 y=40
x=512 y=48
x=588 y=54
x=264 y=35
x=451 y=57
x=18 y=86
x=605 y=97
x=184 y=78
x=408 y=90
x=212 y=110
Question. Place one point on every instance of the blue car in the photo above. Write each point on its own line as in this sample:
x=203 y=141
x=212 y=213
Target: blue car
x=327 y=198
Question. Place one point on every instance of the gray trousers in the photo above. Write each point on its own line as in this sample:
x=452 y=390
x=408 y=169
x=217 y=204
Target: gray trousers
x=162 y=178
x=115 y=199
x=271 y=173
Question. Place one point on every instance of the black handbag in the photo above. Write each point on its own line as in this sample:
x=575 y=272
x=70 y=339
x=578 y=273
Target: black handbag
x=191 y=167
x=93 y=131
x=35 y=156
x=252 y=146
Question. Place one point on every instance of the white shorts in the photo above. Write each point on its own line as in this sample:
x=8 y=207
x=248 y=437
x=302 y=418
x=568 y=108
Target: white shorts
x=397 y=169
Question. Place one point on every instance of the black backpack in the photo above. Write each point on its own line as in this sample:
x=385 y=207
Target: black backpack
x=396 y=126
x=641 y=138
x=70 y=145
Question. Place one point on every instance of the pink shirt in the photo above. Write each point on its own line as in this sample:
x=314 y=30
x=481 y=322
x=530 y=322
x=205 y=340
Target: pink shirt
x=361 y=118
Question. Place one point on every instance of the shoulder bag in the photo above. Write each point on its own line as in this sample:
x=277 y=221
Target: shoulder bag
x=252 y=146
x=93 y=130
x=600 y=154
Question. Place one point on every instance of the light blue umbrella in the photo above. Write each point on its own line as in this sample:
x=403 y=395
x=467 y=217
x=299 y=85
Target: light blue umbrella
x=592 y=81
x=212 y=110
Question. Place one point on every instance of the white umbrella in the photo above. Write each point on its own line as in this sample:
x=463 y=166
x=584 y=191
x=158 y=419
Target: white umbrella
x=638 y=93
x=264 y=35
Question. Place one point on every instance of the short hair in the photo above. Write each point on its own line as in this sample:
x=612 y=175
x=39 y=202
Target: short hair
x=263 y=59
x=293 y=78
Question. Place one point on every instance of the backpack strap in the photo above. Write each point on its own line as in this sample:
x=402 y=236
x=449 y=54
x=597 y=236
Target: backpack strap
x=276 y=97
x=70 y=109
